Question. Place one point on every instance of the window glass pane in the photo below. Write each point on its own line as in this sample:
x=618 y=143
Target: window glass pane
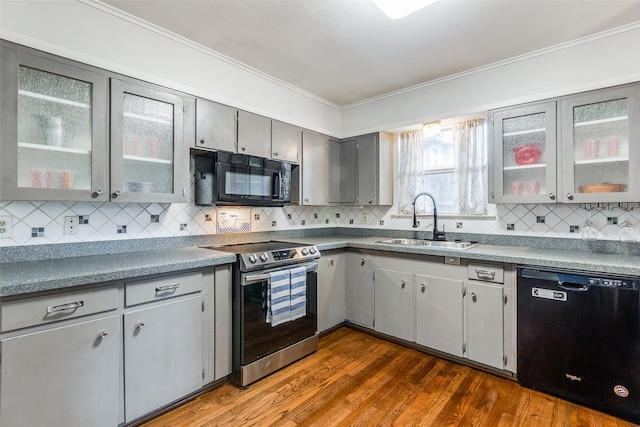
x=443 y=187
x=438 y=150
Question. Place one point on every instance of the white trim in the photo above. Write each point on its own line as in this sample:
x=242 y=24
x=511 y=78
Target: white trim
x=196 y=46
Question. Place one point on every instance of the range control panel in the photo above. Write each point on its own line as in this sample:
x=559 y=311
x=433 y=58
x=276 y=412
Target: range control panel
x=268 y=258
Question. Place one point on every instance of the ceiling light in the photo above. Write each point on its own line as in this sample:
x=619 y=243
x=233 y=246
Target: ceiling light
x=431 y=129
x=396 y=9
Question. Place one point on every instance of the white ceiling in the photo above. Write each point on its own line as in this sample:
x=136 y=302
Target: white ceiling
x=347 y=51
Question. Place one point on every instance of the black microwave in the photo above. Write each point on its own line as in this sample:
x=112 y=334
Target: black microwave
x=227 y=179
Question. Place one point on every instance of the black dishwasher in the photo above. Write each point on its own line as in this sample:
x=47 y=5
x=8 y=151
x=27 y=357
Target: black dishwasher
x=579 y=338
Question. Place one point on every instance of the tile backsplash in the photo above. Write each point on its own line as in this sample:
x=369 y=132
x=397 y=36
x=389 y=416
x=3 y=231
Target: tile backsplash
x=113 y=221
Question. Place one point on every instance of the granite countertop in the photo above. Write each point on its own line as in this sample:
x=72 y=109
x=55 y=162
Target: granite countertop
x=559 y=258
x=43 y=275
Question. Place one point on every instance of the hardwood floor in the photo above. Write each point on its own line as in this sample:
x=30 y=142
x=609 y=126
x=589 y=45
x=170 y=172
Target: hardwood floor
x=358 y=380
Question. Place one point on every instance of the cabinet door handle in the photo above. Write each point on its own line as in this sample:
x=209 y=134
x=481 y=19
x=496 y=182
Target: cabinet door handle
x=244 y=148
x=569 y=196
x=276 y=154
x=403 y=284
x=203 y=141
x=422 y=288
x=140 y=325
x=116 y=194
x=63 y=307
x=552 y=196
x=474 y=298
x=97 y=193
x=103 y=335
x=332 y=261
x=362 y=261
x=171 y=287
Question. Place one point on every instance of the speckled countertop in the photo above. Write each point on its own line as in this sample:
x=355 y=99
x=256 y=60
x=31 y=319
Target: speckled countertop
x=559 y=258
x=42 y=275
x=47 y=274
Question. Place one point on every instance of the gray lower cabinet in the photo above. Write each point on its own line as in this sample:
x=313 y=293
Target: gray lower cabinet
x=162 y=354
x=65 y=376
x=439 y=314
x=331 y=289
x=394 y=304
x=359 y=288
x=485 y=324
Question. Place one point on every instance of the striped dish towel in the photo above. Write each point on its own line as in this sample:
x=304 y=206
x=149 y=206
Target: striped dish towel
x=279 y=298
x=298 y=292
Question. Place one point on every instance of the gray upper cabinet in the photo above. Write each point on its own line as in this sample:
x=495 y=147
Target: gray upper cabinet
x=575 y=149
x=56 y=143
x=285 y=141
x=600 y=150
x=148 y=159
x=524 y=154
x=361 y=170
x=314 y=179
x=216 y=126
x=254 y=134
x=54 y=129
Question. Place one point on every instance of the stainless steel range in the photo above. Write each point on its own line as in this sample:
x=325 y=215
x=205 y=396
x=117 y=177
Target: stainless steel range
x=274 y=307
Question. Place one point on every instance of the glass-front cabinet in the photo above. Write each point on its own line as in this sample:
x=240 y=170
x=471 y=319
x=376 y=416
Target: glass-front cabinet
x=59 y=141
x=148 y=160
x=587 y=152
x=601 y=146
x=54 y=130
x=525 y=154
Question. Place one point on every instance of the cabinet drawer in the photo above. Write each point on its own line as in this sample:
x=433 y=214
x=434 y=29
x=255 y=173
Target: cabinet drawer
x=486 y=272
x=142 y=291
x=34 y=311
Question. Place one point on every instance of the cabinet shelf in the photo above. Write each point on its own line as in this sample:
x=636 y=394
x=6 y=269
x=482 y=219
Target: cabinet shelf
x=147 y=118
x=53 y=99
x=524 y=132
x=601 y=121
x=604 y=160
x=520 y=167
x=148 y=160
x=54 y=148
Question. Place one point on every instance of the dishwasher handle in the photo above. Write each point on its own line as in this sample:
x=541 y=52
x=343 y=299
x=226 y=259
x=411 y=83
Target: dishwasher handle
x=572 y=286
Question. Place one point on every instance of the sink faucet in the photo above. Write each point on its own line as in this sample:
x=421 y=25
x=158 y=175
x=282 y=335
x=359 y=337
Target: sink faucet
x=437 y=235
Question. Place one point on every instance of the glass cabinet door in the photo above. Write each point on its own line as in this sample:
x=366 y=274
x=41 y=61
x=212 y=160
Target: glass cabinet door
x=525 y=154
x=600 y=146
x=147 y=159
x=54 y=133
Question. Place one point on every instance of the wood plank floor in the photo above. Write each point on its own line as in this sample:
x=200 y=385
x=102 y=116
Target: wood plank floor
x=358 y=380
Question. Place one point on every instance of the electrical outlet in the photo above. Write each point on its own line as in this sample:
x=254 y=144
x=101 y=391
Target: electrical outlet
x=365 y=220
x=70 y=225
x=6 y=228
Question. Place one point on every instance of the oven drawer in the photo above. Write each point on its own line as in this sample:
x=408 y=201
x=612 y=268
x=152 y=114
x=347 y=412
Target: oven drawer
x=25 y=312
x=160 y=288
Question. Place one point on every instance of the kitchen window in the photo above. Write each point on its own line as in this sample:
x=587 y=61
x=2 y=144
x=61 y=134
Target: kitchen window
x=450 y=163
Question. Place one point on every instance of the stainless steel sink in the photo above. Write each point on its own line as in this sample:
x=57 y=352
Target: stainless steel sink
x=431 y=243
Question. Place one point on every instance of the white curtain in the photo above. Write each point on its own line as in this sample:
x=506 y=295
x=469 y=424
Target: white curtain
x=469 y=140
x=410 y=169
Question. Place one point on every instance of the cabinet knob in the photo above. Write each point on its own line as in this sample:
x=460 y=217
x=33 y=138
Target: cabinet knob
x=423 y=288
x=474 y=298
x=97 y=193
x=140 y=325
x=203 y=141
x=332 y=262
x=370 y=201
x=103 y=335
x=403 y=284
x=362 y=261
x=276 y=154
x=569 y=196
x=116 y=194
x=552 y=196
x=244 y=148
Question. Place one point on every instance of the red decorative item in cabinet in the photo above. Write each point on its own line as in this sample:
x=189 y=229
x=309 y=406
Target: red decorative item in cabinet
x=527 y=154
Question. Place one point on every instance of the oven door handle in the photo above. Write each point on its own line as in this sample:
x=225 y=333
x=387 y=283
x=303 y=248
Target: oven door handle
x=248 y=279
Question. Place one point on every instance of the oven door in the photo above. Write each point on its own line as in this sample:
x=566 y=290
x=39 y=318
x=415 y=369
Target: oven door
x=259 y=338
